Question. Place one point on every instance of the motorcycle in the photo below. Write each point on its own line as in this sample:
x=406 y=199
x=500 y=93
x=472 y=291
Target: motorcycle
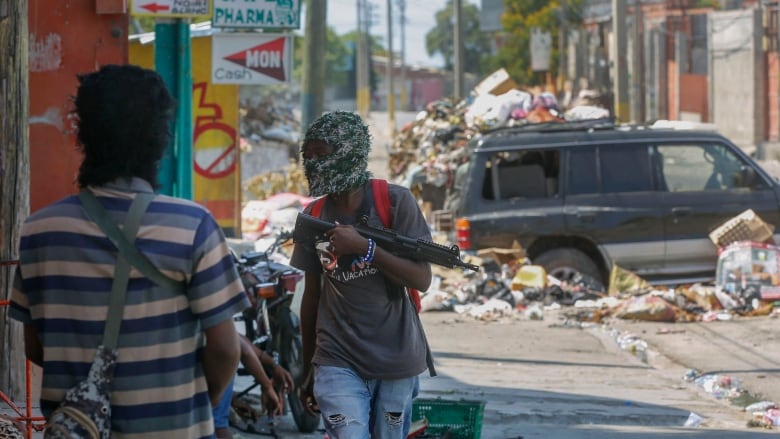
x=270 y=323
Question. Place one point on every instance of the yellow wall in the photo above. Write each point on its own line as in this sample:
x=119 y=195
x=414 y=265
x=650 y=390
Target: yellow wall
x=216 y=158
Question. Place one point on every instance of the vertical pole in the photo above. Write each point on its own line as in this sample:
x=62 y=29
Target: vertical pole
x=173 y=61
x=165 y=65
x=313 y=62
x=390 y=77
x=402 y=12
x=458 y=62
x=14 y=179
x=359 y=59
x=620 y=77
x=184 y=144
x=637 y=66
x=562 y=47
x=681 y=58
x=651 y=76
x=362 y=59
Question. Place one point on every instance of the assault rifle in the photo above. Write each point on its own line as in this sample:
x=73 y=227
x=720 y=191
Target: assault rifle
x=309 y=230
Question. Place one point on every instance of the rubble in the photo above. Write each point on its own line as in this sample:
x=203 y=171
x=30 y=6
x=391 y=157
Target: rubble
x=424 y=157
x=427 y=152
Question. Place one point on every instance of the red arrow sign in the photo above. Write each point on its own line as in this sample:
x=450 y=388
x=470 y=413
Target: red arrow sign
x=267 y=58
x=155 y=8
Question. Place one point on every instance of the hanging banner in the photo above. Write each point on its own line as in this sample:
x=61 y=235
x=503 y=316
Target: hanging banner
x=251 y=58
x=257 y=14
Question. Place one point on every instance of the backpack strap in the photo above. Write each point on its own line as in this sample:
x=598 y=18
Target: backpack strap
x=381 y=195
x=382 y=205
x=316 y=207
x=382 y=201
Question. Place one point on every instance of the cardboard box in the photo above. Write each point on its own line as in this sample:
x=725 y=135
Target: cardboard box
x=503 y=255
x=747 y=226
x=497 y=83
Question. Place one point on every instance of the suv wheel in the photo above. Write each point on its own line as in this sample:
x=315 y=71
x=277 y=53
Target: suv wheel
x=570 y=265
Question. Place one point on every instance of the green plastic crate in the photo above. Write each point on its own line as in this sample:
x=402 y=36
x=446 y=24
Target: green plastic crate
x=462 y=418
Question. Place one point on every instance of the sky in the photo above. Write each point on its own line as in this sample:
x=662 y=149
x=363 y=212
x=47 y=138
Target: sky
x=420 y=18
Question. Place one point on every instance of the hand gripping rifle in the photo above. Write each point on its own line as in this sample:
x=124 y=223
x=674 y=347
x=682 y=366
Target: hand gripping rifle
x=309 y=230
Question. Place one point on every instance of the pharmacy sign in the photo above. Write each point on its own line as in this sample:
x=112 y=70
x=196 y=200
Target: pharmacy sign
x=257 y=14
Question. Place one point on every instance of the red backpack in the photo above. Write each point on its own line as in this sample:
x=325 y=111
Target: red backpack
x=382 y=206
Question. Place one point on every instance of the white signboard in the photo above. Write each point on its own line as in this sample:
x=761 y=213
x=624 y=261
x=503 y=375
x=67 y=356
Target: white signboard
x=251 y=58
x=172 y=8
x=257 y=14
x=541 y=47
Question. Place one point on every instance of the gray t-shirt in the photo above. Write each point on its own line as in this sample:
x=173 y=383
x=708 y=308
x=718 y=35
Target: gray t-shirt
x=363 y=323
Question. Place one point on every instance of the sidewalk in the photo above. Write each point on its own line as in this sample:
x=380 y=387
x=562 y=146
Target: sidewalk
x=747 y=349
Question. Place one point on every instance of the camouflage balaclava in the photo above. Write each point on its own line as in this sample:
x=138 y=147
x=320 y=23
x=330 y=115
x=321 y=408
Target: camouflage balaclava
x=347 y=167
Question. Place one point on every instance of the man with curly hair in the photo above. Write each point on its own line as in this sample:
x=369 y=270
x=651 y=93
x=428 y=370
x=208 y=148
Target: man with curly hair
x=177 y=351
x=363 y=342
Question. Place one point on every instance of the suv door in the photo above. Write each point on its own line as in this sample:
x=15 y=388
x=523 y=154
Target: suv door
x=705 y=184
x=611 y=198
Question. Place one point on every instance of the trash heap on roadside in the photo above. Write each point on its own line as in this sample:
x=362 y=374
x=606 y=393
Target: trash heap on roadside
x=747 y=284
x=426 y=152
x=747 y=280
x=269 y=142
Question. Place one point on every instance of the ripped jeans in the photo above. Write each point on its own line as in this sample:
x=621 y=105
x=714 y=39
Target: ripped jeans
x=355 y=408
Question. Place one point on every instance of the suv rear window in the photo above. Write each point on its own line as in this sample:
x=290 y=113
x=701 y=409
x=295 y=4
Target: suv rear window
x=521 y=174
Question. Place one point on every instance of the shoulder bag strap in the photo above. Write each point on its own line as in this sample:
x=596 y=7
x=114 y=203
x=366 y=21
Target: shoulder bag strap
x=116 y=302
x=136 y=258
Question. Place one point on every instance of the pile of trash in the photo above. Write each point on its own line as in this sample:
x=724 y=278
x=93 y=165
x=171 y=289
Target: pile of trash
x=269 y=142
x=747 y=284
x=509 y=284
x=426 y=152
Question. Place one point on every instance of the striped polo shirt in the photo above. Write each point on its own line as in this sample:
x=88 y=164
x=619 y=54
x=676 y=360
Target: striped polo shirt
x=62 y=287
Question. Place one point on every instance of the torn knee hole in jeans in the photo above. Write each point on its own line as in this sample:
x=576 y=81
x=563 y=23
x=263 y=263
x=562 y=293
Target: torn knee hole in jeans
x=394 y=418
x=337 y=420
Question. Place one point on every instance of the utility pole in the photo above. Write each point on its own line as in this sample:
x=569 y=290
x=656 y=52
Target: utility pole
x=390 y=77
x=363 y=58
x=562 y=29
x=312 y=93
x=457 y=6
x=620 y=68
x=14 y=181
x=402 y=13
x=359 y=73
x=637 y=66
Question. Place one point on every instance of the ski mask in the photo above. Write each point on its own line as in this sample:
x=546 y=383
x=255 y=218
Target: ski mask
x=347 y=167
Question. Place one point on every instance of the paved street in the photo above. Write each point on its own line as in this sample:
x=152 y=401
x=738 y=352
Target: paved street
x=549 y=379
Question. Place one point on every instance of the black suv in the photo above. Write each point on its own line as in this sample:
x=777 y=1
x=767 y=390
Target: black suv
x=582 y=196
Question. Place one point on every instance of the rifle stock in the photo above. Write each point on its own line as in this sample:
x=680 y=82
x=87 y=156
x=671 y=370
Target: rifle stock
x=310 y=229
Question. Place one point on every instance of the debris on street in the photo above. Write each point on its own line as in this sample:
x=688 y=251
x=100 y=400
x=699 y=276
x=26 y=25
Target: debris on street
x=425 y=156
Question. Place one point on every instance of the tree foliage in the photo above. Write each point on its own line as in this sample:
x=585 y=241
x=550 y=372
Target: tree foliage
x=520 y=16
x=337 y=58
x=476 y=43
